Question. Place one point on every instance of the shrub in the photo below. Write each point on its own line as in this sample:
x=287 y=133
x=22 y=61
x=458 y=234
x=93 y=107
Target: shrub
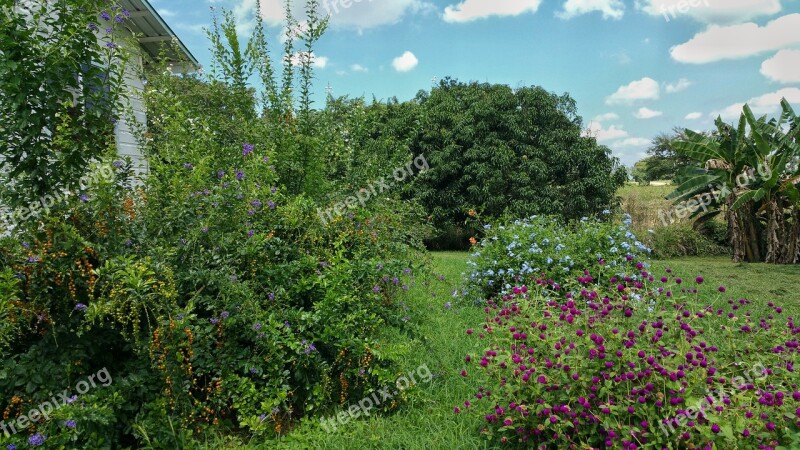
x=511 y=253
x=635 y=362
x=683 y=240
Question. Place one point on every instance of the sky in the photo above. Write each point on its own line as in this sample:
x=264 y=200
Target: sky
x=636 y=68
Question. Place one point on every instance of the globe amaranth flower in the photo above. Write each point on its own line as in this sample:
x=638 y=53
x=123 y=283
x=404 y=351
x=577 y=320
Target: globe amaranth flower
x=247 y=149
x=37 y=439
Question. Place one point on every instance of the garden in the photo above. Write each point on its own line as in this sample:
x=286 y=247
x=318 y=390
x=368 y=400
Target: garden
x=466 y=269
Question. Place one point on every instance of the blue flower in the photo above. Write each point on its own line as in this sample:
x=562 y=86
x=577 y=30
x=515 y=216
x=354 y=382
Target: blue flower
x=81 y=307
x=70 y=423
x=93 y=27
x=84 y=198
x=105 y=15
x=37 y=439
x=271 y=204
x=213 y=320
x=247 y=149
x=111 y=45
x=11 y=447
x=253 y=370
x=225 y=314
x=239 y=175
x=448 y=305
x=188 y=166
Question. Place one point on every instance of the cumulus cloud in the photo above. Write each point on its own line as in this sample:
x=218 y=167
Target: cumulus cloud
x=693 y=116
x=738 y=41
x=596 y=130
x=358 y=68
x=784 y=67
x=680 y=85
x=606 y=117
x=611 y=9
x=632 y=142
x=644 y=89
x=765 y=104
x=360 y=15
x=646 y=113
x=320 y=62
x=469 y=10
x=710 y=11
x=405 y=62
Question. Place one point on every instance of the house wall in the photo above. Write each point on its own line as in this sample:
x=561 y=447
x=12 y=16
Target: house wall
x=125 y=130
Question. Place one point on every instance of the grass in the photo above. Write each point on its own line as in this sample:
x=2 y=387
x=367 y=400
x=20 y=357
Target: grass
x=643 y=204
x=426 y=420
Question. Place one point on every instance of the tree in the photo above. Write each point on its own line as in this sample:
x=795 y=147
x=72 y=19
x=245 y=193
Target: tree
x=504 y=151
x=61 y=91
x=749 y=173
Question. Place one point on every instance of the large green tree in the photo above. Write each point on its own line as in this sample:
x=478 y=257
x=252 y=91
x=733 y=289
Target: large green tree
x=504 y=151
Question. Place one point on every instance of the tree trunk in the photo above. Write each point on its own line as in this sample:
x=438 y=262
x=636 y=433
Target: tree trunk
x=775 y=233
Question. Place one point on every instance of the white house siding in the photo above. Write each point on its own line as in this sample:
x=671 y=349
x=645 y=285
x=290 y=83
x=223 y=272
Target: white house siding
x=125 y=130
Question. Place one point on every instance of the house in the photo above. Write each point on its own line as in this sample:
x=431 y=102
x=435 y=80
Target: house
x=152 y=33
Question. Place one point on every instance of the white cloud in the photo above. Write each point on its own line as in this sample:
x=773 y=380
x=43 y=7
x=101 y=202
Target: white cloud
x=633 y=142
x=469 y=10
x=738 y=41
x=359 y=15
x=644 y=89
x=646 y=113
x=681 y=85
x=595 y=129
x=358 y=68
x=693 y=116
x=611 y=9
x=320 y=62
x=784 y=67
x=765 y=104
x=710 y=11
x=405 y=62
x=605 y=117
x=165 y=13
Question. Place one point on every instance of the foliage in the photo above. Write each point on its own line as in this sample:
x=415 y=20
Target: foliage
x=635 y=362
x=504 y=151
x=664 y=163
x=512 y=253
x=55 y=120
x=750 y=173
x=678 y=240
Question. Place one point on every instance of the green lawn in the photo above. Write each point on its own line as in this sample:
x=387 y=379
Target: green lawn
x=426 y=420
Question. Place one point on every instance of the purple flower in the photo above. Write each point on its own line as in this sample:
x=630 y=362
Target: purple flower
x=271 y=296
x=447 y=305
x=93 y=26
x=257 y=326
x=109 y=30
x=225 y=315
x=204 y=230
x=699 y=280
x=239 y=175
x=376 y=289
x=11 y=447
x=84 y=198
x=105 y=15
x=220 y=174
x=253 y=370
x=273 y=190
x=111 y=45
x=119 y=19
x=117 y=164
x=715 y=428
x=72 y=399
x=81 y=307
x=37 y=439
x=250 y=233
x=271 y=204
x=70 y=423
x=188 y=166
x=256 y=203
x=247 y=149
x=276 y=410
x=262 y=417
x=126 y=13
x=265 y=158
x=213 y=320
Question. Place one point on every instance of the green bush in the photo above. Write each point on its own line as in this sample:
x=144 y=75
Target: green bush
x=678 y=240
x=513 y=253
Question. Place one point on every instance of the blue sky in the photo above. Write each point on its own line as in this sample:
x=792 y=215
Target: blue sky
x=635 y=67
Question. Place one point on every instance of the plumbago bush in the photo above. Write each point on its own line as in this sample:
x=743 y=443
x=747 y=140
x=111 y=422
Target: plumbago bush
x=544 y=245
x=638 y=361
